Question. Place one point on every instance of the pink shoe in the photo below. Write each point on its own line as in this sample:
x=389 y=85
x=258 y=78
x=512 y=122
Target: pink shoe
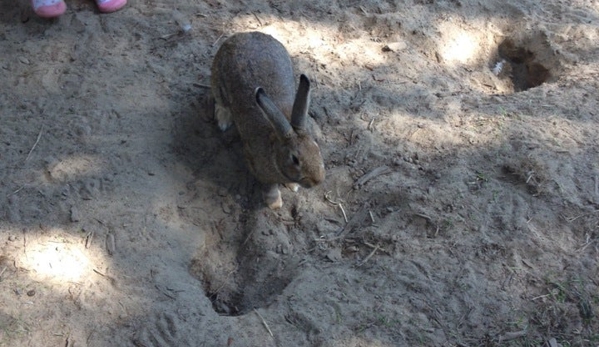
x=108 y=6
x=48 y=8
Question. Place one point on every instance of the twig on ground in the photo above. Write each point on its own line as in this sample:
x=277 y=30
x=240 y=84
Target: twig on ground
x=258 y=19
x=18 y=190
x=39 y=136
x=24 y=242
x=334 y=238
x=264 y=322
x=2 y=273
x=597 y=187
x=247 y=238
x=327 y=196
x=376 y=248
x=370 y=245
x=225 y=281
x=587 y=243
x=371 y=123
x=381 y=170
x=512 y=335
x=110 y=244
x=346 y=229
x=168 y=36
x=424 y=216
x=572 y=219
x=218 y=39
x=109 y=278
x=164 y=293
x=463 y=317
x=343 y=211
x=88 y=239
x=540 y=297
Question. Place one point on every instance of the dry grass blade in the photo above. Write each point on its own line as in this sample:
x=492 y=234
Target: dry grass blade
x=264 y=323
x=39 y=136
x=327 y=196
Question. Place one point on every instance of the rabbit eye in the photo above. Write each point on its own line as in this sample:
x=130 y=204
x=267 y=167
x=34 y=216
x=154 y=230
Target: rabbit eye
x=295 y=159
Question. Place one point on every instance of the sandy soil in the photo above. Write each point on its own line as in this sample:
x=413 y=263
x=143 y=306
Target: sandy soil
x=461 y=205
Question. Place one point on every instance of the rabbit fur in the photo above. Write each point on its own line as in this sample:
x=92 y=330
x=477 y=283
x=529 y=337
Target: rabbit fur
x=253 y=87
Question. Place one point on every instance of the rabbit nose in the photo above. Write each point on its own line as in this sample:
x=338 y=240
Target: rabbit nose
x=307 y=183
x=310 y=182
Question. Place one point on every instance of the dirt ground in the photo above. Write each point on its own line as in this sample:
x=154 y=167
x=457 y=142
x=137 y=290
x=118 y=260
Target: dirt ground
x=460 y=208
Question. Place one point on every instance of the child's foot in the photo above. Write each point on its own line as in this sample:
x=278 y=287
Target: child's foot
x=48 y=8
x=107 y=6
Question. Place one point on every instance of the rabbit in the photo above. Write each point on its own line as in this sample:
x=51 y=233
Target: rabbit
x=253 y=87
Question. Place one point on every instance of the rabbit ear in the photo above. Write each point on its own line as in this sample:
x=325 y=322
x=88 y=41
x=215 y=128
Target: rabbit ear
x=274 y=115
x=301 y=104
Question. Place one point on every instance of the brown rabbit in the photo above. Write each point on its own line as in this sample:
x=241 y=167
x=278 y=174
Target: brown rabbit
x=253 y=86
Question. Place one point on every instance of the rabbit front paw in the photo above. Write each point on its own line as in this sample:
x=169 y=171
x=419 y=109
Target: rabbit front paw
x=223 y=117
x=272 y=197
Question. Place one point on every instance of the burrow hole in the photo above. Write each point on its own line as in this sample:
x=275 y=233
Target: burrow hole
x=526 y=64
x=238 y=277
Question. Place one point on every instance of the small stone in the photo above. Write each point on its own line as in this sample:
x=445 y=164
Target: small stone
x=353 y=249
x=31 y=292
x=553 y=342
x=24 y=60
x=185 y=27
x=394 y=47
x=334 y=254
x=110 y=244
x=226 y=208
x=75 y=215
x=83 y=130
x=12 y=238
